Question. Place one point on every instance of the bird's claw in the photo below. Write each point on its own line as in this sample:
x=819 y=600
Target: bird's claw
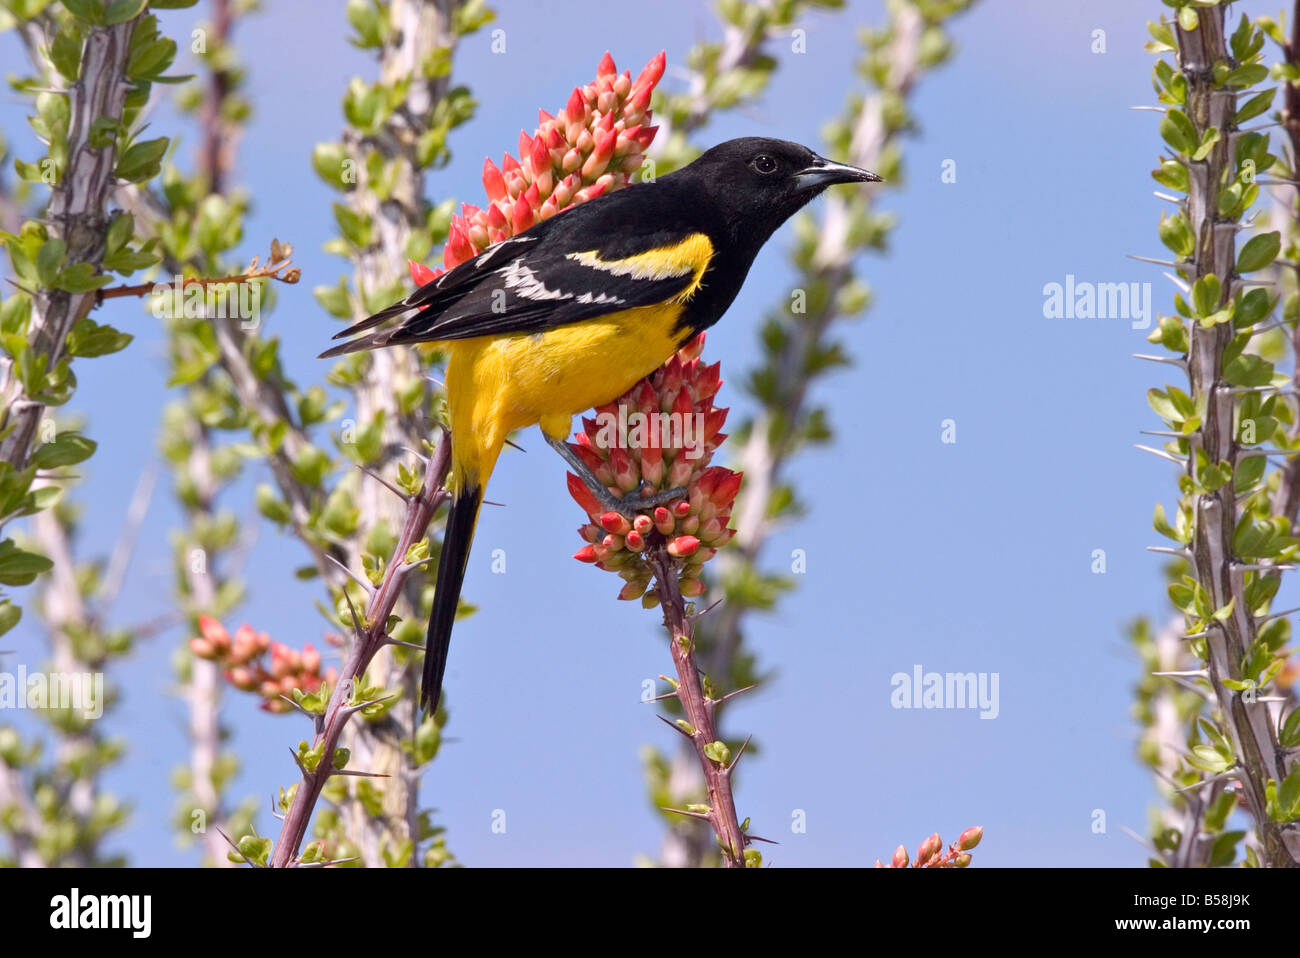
x=636 y=501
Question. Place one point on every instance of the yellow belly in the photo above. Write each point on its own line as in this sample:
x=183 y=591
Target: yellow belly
x=496 y=385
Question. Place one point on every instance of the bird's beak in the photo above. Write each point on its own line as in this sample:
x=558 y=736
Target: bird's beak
x=823 y=172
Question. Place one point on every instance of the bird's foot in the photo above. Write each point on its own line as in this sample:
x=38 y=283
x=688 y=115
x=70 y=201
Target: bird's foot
x=639 y=500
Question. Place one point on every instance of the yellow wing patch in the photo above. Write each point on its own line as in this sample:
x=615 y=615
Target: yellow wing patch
x=691 y=255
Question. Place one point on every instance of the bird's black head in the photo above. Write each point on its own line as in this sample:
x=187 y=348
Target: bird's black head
x=759 y=183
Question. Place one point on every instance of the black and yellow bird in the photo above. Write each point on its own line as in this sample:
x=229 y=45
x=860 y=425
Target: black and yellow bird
x=572 y=312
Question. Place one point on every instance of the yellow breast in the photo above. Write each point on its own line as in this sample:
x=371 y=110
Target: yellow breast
x=496 y=385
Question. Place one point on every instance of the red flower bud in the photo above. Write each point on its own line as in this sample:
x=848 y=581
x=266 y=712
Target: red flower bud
x=523 y=215
x=576 y=109
x=582 y=495
x=540 y=157
x=653 y=71
x=615 y=523
x=683 y=546
x=458 y=249
x=727 y=487
x=494 y=183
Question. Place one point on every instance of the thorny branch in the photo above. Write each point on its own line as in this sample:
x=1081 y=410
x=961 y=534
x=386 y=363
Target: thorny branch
x=369 y=638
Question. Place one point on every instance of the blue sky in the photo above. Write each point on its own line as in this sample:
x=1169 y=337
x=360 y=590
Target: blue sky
x=966 y=556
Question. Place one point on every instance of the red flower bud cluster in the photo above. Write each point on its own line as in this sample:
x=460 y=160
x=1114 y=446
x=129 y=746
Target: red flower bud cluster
x=930 y=853
x=662 y=431
x=241 y=656
x=590 y=147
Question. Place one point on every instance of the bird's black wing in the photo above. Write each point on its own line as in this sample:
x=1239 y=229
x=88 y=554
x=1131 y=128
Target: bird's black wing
x=598 y=258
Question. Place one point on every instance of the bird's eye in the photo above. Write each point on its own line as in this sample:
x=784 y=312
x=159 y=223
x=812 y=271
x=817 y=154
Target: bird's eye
x=763 y=163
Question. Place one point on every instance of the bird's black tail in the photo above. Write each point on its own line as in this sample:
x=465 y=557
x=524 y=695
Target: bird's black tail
x=456 y=540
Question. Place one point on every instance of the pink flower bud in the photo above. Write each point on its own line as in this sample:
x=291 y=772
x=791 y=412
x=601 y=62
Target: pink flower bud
x=212 y=630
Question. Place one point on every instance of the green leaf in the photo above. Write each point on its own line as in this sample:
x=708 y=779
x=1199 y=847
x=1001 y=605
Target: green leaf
x=1162 y=34
x=1259 y=252
x=366 y=19
x=88 y=338
x=1248 y=370
x=336 y=299
x=1162 y=525
x=1225 y=613
x=1224 y=850
x=120 y=11
x=141 y=161
x=80 y=278
x=354 y=226
x=18 y=567
x=1247 y=75
x=49 y=260
x=1176 y=234
x=1178 y=131
x=1164 y=406
x=1182 y=597
x=9 y=615
x=1288 y=795
x=119 y=232
x=1211 y=137
x=1172 y=174
x=1208 y=759
x=1251 y=308
x=272 y=506
x=1289 y=735
x=91 y=11
x=1256 y=105
x=65 y=52
x=67 y=449
x=1205 y=295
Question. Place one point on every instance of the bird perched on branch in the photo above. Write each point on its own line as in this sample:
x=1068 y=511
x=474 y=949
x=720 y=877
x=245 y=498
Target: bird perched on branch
x=572 y=312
